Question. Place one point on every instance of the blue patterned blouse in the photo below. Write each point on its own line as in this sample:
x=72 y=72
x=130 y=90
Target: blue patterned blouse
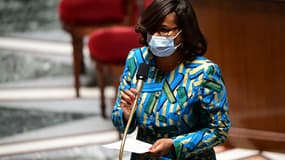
x=188 y=104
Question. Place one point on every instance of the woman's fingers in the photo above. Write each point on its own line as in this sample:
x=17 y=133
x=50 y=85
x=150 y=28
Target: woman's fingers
x=128 y=96
x=134 y=91
x=124 y=104
x=161 y=147
x=127 y=99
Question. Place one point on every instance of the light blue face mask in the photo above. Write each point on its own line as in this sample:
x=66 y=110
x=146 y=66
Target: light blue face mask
x=162 y=46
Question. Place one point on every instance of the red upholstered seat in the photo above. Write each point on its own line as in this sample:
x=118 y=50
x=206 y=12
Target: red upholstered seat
x=113 y=44
x=82 y=17
x=86 y=12
x=109 y=48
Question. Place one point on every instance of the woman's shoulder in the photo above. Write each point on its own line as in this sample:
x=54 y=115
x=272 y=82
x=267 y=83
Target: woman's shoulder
x=199 y=61
x=141 y=55
x=140 y=50
x=202 y=64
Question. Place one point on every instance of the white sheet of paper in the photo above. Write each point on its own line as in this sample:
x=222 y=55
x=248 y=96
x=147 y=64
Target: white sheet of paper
x=131 y=145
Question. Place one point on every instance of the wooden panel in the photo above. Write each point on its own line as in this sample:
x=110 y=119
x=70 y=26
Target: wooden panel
x=247 y=40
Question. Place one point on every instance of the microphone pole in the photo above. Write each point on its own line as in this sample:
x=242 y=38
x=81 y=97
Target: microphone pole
x=141 y=77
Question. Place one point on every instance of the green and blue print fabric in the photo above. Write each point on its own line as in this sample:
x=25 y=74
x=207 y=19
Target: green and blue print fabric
x=188 y=104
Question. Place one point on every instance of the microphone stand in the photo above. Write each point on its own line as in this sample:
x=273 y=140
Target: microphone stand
x=141 y=77
x=134 y=107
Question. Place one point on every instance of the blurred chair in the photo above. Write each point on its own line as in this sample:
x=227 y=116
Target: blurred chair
x=108 y=49
x=81 y=17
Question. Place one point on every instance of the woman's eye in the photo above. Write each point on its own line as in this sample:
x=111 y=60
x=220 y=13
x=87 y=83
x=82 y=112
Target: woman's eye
x=165 y=30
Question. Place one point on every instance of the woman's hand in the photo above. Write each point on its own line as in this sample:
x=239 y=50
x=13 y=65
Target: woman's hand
x=161 y=147
x=127 y=100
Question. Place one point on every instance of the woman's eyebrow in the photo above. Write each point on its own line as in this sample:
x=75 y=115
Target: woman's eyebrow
x=165 y=26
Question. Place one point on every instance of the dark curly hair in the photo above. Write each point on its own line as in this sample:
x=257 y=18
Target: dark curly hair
x=194 y=42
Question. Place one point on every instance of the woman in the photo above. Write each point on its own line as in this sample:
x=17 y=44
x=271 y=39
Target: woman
x=183 y=108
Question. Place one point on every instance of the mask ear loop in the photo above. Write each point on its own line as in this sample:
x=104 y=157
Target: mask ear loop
x=180 y=44
x=177 y=34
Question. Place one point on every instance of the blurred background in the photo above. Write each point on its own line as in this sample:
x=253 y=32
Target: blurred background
x=37 y=98
x=50 y=80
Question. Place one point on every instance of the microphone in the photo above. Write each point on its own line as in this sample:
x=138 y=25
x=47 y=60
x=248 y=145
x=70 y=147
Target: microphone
x=141 y=77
